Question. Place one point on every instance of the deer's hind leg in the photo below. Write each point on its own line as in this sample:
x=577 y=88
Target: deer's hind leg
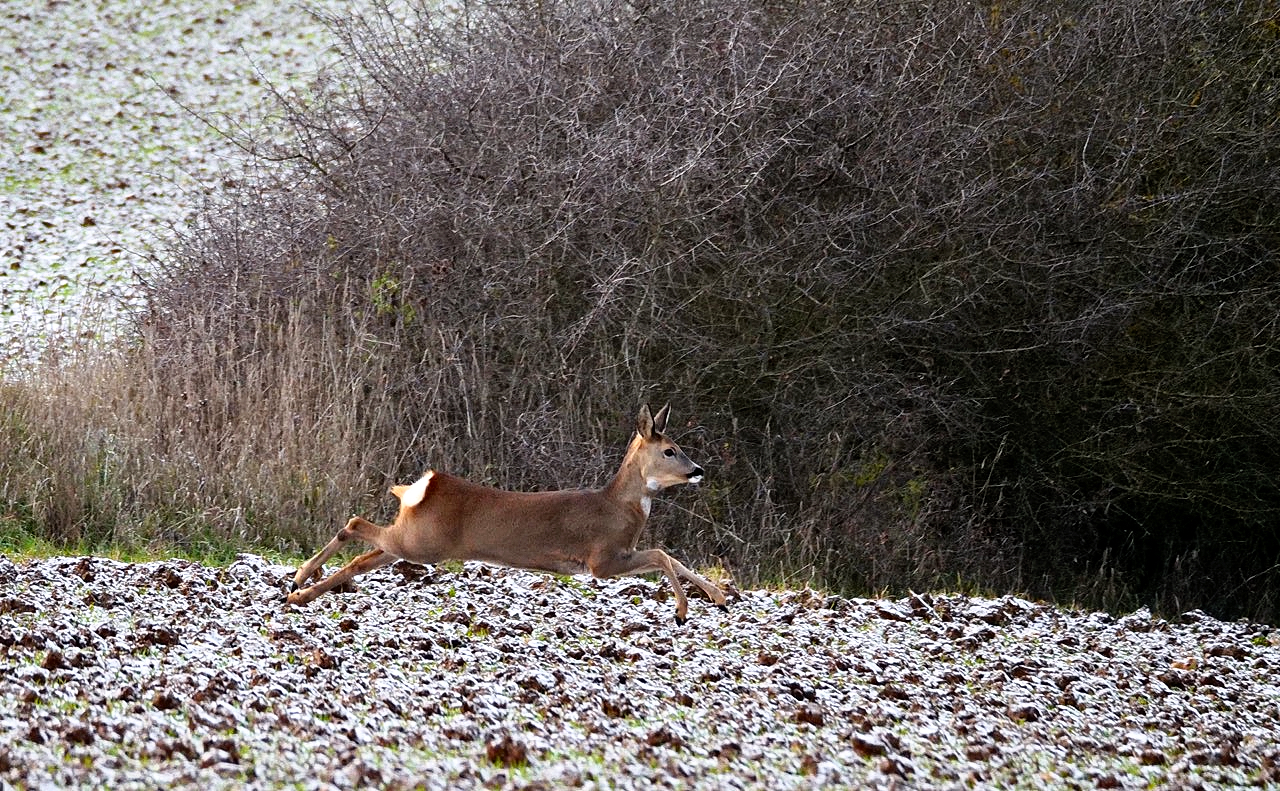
x=356 y=527
x=367 y=562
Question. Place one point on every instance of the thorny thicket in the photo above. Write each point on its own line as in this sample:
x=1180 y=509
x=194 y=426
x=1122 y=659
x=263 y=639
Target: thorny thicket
x=945 y=291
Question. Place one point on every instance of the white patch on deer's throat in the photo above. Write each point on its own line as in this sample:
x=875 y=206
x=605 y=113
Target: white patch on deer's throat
x=646 y=503
x=652 y=484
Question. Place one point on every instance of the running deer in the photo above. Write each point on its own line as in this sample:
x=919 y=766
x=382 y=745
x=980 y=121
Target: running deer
x=443 y=517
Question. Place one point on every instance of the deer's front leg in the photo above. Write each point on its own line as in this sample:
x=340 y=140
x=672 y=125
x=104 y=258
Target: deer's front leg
x=644 y=561
x=716 y=595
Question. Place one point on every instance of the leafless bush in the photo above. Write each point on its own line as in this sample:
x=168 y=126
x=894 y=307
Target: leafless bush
x=946 y=292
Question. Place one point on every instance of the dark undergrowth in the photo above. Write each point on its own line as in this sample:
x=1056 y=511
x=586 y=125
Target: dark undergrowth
x=943 y=295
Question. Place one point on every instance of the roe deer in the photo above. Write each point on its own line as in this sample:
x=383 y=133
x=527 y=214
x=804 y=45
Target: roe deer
x=443 y=517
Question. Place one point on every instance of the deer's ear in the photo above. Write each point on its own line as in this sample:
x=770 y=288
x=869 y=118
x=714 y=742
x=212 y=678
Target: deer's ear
x=644 y=423
x=660 y=420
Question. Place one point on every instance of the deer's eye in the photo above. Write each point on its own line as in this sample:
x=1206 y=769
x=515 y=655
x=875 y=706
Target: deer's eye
x=669 y=453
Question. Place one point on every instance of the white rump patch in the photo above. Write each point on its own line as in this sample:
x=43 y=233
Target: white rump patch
x=415 y=493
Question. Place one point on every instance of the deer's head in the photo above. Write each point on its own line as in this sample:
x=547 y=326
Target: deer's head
x=661 y=462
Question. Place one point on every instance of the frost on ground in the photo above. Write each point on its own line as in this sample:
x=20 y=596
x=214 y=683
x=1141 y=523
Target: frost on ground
x=99 y=160
x=172 y=674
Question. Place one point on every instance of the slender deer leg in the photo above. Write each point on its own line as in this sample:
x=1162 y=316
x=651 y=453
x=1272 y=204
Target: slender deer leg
x=356 y=527
x=367 y=562
x=716 y=595
x=656 y=560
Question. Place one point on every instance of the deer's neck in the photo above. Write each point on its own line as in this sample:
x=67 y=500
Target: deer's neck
x=629 y=485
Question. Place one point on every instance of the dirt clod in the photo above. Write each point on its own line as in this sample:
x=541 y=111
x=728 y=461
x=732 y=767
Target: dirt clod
x=506 y=751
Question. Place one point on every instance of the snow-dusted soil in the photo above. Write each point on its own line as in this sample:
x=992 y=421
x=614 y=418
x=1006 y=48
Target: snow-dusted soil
x=112 y=122
x=172 y=674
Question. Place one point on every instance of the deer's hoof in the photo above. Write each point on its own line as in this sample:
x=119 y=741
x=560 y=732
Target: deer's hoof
x=723 y=607
x=680 y=619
